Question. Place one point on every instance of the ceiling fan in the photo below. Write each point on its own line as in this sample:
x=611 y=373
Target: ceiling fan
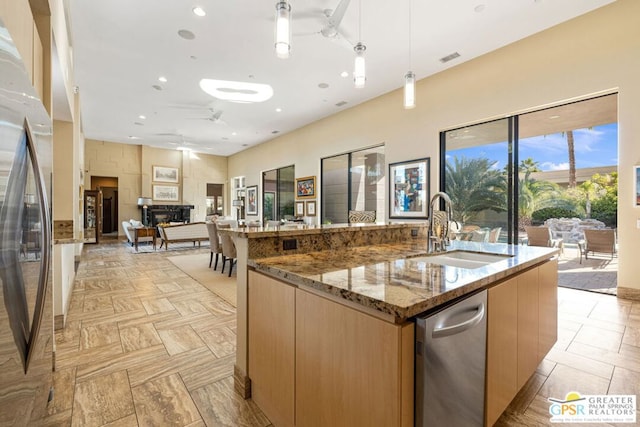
x=214 y=117
x=332 y=19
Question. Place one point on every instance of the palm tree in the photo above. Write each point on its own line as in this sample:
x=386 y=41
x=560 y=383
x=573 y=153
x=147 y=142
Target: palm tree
x=473 y=186
x=534 y=194
x=572 y=159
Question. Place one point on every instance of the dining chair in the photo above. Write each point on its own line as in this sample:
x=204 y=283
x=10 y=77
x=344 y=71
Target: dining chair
x=214 y=243
x=494 y=234
x=362 y=216
x=228 y=251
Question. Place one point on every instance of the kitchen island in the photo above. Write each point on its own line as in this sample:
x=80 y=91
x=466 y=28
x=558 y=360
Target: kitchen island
x=330 y=336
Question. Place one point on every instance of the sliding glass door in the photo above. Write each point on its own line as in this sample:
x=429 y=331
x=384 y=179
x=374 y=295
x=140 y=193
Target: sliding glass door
x=553 y=166
x=477 y=171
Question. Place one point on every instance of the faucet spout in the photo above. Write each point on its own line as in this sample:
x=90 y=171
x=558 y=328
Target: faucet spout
x=438 y=231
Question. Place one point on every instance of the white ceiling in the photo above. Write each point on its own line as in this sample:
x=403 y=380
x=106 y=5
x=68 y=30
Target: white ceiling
x=121 y=47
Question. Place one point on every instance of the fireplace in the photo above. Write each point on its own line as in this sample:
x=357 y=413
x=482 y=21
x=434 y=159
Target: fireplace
x=168 y=213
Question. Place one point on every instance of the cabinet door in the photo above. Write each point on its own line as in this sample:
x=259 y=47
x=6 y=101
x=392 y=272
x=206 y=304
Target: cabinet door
x=548 y=292
x=527 y=325
x=271 y=347
x=502 y=351
x=349 y=366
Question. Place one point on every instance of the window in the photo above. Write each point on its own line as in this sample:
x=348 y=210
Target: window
x=278 y=193
x=353 y=181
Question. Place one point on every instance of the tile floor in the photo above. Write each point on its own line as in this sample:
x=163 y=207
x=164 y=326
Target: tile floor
x=145 y=344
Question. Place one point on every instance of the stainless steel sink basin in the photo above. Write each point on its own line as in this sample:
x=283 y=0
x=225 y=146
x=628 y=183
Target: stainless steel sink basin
x=462 y=259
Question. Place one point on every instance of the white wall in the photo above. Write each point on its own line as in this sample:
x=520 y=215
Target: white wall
x=590 y=55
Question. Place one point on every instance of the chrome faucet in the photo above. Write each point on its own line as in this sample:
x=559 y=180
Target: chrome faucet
x=438 y=231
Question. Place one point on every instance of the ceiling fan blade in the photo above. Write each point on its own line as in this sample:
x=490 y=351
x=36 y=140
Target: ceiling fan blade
x=336 y=17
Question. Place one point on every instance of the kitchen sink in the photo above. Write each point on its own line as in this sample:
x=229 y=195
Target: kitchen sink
x=462 y=259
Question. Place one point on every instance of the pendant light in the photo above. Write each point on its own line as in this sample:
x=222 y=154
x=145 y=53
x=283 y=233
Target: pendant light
x=283 y=29
x=410 y=77
x=359 y=75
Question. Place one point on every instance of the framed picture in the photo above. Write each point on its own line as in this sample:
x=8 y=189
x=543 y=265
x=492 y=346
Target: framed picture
x=311 y=208
x=306 y=187
x=637 y=178
x=165 y=174
x=299 y=208
x=409 y=189
x=166 y=193
x=252 y=200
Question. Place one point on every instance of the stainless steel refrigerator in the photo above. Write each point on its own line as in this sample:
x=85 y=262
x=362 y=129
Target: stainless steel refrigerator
x=26 y=309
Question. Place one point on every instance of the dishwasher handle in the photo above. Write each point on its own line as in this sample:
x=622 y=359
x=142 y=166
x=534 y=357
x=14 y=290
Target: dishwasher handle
x=441 y=332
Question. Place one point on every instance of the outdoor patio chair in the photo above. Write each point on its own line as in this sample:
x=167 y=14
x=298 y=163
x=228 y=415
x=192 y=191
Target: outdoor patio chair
x=494 y=235
x=541 y=236
x=603 y=241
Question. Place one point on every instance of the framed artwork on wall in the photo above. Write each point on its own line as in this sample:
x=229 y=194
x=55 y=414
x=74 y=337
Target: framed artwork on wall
x=166 y=193
x=311 y=208
x=306 y=187
x=299 y=209
x=636 y=176
x=409 y=189
x=165 y=174
x=252 y=200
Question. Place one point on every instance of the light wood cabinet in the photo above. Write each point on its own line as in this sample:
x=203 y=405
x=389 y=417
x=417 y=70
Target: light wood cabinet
x=352 y=369
x=527 y=325
x=271 y=335
x=521 y=329
x=502 y=349
x=316 y=362
x=548 y=298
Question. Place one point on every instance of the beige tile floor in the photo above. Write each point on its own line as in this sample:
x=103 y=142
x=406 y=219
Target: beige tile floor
x=145 y=344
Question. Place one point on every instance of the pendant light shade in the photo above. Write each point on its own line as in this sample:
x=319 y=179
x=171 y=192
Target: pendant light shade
x=283 y=29
x=359 y=76
x=409 y=90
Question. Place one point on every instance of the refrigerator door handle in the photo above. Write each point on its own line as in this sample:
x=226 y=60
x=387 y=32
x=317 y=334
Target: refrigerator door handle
x=446 y=331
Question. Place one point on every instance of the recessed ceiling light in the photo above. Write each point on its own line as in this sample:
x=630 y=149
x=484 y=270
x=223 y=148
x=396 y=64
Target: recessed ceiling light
x=133 y=137
x=138 y=124
x=142 y=117
x=237 y=91
x=344 y=74
x=186 y=34
x=323 y=85
x=162 y=79
x=554 y=117
x=193 y=57
x=479 y=8
x=199 y=11
x=278 y=110
x=234 y=133
x=341 y=103
x=275 y=131
x=245 y=145
x=157 y=87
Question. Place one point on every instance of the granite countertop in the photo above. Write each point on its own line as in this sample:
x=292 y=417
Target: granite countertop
x=395 y=278
x=298 y=228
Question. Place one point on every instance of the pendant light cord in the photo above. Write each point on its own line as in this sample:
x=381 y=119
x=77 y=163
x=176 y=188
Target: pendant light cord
x=410 y=34
x=359 y=20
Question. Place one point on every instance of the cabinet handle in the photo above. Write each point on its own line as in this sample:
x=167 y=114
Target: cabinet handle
x=460 y=327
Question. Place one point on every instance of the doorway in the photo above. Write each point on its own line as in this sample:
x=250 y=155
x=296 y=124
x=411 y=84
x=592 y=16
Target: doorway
x=107 y=187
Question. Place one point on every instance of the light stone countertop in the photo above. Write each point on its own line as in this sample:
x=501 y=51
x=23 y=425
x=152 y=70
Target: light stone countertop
x=394 y=278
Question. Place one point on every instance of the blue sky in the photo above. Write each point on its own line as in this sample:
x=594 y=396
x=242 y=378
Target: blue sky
x=594 y=147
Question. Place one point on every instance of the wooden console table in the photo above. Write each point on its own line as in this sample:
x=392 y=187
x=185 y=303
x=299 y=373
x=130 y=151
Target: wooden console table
x=145 y=232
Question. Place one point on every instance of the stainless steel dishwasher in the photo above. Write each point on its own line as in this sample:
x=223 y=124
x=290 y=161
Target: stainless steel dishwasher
x=450 y=364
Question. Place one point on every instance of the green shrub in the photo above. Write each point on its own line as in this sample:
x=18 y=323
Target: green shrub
x=544 y=214
x=605 y=209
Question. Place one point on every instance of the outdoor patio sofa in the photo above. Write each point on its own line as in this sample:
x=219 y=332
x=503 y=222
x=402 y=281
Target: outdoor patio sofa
x=190 y=232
